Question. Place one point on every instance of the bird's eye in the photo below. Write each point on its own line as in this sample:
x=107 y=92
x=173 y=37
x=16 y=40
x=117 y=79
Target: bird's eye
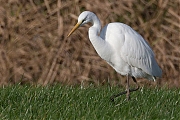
x=83 y=20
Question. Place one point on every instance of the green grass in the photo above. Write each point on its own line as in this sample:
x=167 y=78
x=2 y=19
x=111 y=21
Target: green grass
x=65 y=102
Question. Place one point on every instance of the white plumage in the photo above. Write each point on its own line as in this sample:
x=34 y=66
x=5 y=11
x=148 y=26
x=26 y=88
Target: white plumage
x=122 y=47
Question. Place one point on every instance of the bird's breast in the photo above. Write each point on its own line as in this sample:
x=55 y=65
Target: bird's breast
x=119 y=64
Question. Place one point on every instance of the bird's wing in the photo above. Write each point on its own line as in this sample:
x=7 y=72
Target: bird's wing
x=136 y=52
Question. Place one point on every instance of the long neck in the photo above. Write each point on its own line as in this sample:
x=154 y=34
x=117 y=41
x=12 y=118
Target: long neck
x=99 y=44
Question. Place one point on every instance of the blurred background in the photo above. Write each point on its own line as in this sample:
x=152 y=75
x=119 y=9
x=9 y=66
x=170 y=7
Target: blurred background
x=34 y=48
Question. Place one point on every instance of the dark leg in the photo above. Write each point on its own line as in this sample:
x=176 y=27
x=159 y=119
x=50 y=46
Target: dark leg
x=137 y=86
x=127 y=92
x=127 y=88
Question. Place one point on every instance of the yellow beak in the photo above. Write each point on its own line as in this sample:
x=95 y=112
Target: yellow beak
x=74 y=28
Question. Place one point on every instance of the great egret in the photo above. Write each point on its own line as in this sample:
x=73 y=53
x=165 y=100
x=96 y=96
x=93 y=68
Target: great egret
x=122 y=48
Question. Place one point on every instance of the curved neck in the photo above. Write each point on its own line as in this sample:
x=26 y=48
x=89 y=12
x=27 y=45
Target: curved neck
x=96 y=24
x=99 y=44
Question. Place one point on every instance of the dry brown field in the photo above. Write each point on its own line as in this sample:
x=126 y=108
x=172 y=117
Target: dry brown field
x=34 y=48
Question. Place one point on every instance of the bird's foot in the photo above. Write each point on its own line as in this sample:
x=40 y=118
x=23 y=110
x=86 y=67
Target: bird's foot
x=122 y=93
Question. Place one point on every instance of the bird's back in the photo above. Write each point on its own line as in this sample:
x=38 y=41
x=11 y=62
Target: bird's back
x=131 y=48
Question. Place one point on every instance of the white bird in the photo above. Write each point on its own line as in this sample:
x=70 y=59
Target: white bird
x=122 y=48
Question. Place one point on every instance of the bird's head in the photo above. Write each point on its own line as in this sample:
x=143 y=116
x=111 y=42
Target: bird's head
x=84 y=17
